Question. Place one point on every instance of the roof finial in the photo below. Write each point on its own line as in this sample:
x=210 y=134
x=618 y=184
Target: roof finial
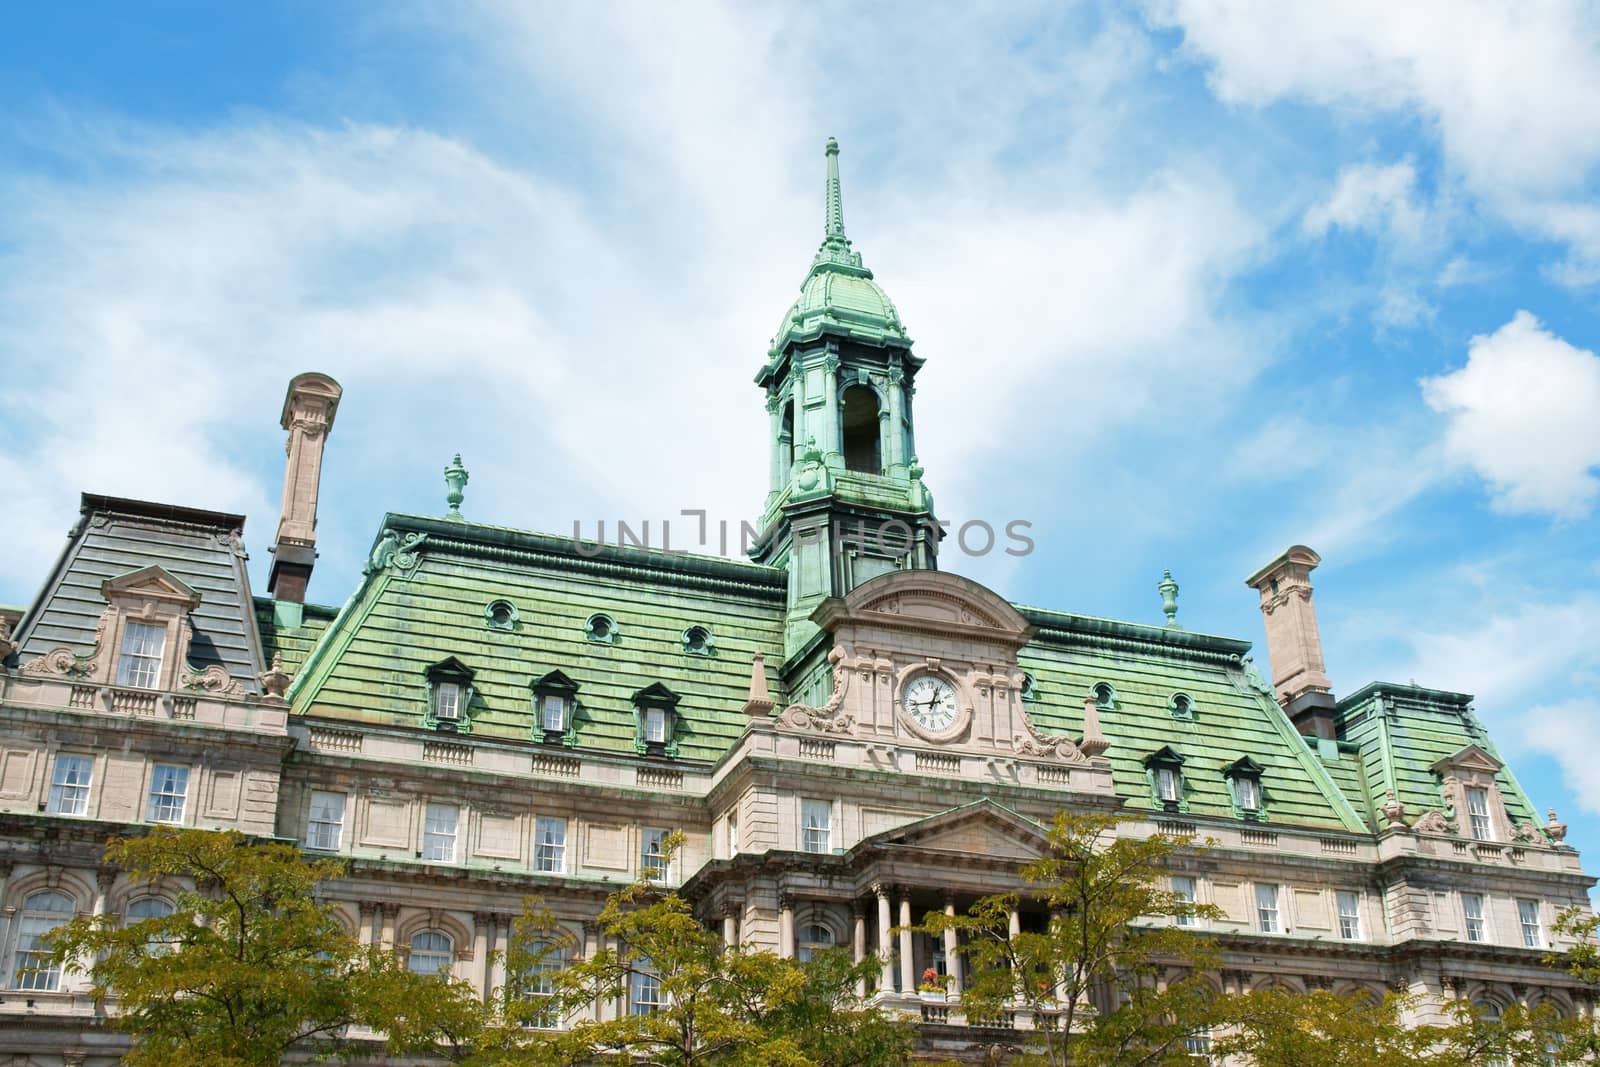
x=455 y=479
x=1169 y=599
x=835 y=226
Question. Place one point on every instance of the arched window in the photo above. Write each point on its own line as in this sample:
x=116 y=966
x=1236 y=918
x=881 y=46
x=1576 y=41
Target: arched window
x=814 y=938
x=1104 y=695
x=432 y=952
x=786 y=441
x=41 y=913
x=544 y=961
x=858 y=421
x=150 y=908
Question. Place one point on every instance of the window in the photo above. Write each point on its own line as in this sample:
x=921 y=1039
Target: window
x=151 y=908
x=1184 y=889
x=1198 y=1046
x=644 y=990
x=1267 y=909
x=69 y=786
x=816 y=818
x=697 y=641
x=655 y=725
x=1165 y=770
x=1247 y=792
x=1349 y=906
x=1030 y=686
x=655 y=709
x=653 y=854
x=448 y=701
x=1181 y=706
x=325 y=828
x=550 y=845
x=1478 y=813
x=553 y=713
x=1167 y=784
x=500 y=615
x=169 y=787
x=538 y=983
x=30 y=965
x=1472 y=909
x=858 y=429
x=432 y=952
x=601 y=628
x=139 y=666
x=1104 y=695
x=439 y=833
x=814 y=938
x=1532 y=930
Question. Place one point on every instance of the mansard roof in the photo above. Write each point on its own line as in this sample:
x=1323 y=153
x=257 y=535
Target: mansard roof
x=1401 y=735
x=119 y=541
x=422 y=596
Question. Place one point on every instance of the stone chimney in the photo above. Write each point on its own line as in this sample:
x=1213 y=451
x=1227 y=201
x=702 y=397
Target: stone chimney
x=1293 y=645
x=308 y=412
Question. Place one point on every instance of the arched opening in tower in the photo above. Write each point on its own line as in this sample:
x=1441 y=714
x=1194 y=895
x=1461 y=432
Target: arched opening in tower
x=858 y=419
x=786 y=441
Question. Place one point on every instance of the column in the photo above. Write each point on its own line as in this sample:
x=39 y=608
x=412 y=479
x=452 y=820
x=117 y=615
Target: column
x=885 y=940
x=591 y=949
x=785 y=926
x=1014 y=922
x=774 y=432
x=908 y=962
x=858 y=941
x=894 y=459
x=366 y=930
x=730 y=924
x=103 y=882
x=480 y=952
x=797 y=376
x=386 y=938
x=501 y=926
x=952 y=949
x=833 y=436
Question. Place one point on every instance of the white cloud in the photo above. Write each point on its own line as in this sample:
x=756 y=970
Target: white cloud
x=1512 y=90
x=1569 y=732
x=1524 y=413
x=1369 y=196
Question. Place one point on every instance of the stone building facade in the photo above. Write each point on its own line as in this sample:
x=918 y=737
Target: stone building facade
x=847 y=736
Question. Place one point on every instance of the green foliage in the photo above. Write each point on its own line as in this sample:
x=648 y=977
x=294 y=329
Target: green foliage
x=250 y=965
x=718 y=1005
x=1104 y=942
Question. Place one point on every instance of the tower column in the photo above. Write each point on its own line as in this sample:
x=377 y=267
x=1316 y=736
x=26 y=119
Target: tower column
x=774 y=435
x=895 y=458
x=798 y=394
x=832 y=443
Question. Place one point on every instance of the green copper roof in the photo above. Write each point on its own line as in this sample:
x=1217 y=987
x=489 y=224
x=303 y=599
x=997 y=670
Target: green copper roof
x=838 y=296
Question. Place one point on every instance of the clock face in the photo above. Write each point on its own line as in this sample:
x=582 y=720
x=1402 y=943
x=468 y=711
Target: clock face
x=930 y=701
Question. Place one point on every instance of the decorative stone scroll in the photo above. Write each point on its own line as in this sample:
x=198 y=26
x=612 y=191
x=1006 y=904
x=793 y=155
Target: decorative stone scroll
x=826 y=719
x=1433 y=822
x=214 y=681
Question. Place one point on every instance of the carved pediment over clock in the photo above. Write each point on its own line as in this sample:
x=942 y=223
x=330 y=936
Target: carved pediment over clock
x=924 y=601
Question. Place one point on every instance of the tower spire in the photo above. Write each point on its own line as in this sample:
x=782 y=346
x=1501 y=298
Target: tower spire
x=835 y=222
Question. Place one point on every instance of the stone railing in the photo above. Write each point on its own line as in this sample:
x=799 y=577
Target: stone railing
x=196 y=706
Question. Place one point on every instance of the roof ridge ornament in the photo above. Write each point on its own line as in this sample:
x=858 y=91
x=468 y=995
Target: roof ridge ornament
x=1168 y=588
x=455 y=479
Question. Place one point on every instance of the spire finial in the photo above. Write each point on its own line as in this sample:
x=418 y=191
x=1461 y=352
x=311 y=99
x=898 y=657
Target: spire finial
x=455 y=480
x=1169 y=598
x=835 y=221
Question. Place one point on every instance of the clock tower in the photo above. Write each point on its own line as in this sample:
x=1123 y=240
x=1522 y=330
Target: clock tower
x=847 y=502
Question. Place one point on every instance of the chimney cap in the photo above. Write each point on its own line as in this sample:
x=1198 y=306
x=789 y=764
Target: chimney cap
x=312 y=383
x=1294 y=554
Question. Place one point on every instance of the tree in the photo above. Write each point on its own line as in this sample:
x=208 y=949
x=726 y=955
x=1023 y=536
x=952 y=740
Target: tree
x=1103 y=942
x=250 y=965
x=687 y=999
x=1276 y=1028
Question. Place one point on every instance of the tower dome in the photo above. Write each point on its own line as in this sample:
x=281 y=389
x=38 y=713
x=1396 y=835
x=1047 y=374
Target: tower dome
x=839 y=296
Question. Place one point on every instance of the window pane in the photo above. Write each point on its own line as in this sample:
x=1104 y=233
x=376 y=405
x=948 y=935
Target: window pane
x=1349 y=915
x=645 y=991
x=69 y=787
x=1267 y=908
x=139 y=665
x=448 y=701
x=652 y=854
x=30 y=965
x=439 y=833
x=1245 y=789
x=1478 y=814
x=169 y=785
x=432 y=952
x=550 y=845
x=325 y=830
x=1532 y=932
x=1472 y=908
x=655 y=724
x=816 y=818
x=555 y=708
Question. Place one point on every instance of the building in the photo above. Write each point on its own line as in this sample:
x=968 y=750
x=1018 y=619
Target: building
x=847 y=736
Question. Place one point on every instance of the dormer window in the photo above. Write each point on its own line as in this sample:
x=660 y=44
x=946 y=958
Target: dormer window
x=656 y=709
x=1165 y=770
x=554 y=701
x=1478 y=814
x=143 y=648
x=1181 y=706
x=1469 y=784
x=1244 y=783
x=601 y=628
x=1104 y=695
x=450 y=692
x=500 y=615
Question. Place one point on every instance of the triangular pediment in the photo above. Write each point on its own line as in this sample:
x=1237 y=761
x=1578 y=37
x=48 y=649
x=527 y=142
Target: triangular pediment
x=1471 y=758
x=154 y=582
x=981 y=829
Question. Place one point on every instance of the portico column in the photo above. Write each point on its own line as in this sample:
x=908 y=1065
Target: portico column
x=730 y=924
x=858 y=941
x=785 y=926
x=885 y=941
x=952 y=949
x=591 y=949
x=102 y=898
x=896 y=457
x=480 y=951
x=908 y=963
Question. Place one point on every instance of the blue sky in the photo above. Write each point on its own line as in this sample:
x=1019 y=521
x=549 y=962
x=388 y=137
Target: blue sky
x=1194 y=281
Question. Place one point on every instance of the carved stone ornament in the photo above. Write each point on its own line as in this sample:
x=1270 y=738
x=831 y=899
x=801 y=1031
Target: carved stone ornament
x=7 y=645
x=1394 y=811
x=275 y=681
x=1527 y=832
x=62 y=661
x=1040 y=746
x=1556 y=830
x=214 y=681
x=827 y=718
x=1432 y=822
x=392 y=550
